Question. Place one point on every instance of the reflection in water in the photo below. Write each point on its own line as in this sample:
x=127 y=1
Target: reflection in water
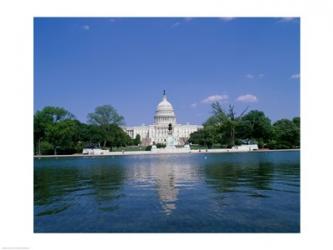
x=44 y=180
x=227 y=177
x=246 y=192
x=167 y=175
x=166 y=189
x=106 y=182
x=55 y=187
x=50 y=185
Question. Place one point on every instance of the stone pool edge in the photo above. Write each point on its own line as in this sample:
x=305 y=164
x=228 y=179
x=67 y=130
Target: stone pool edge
x=125 y=153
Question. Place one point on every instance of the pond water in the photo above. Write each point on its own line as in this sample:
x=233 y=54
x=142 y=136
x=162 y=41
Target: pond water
x=233 y=192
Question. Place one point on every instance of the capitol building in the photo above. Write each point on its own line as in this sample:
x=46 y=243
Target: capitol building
x=164 y=125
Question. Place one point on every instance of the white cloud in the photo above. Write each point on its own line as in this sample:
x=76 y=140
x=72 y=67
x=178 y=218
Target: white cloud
x=176 y=24
x=286 y=19
x=247 y=98
x=86 y=27
x=194 y=105
x=249 y=76
x=215 y=98
x=227 y=19
x=252 y=76
x=181 y=21
x=295 y=76
x=188 y=19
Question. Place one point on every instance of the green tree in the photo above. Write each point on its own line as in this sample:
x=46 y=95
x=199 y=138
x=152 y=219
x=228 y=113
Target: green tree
x=63 y=135
x=40 y=123
x=226 y=122
x=285 y=134
x=92 y=135
x=202 y=137
x=297 y=122
x=117 y=137
x=255 y=125
x=137 y=140
x=213 y=130
x=44 y=121
x=104 y=116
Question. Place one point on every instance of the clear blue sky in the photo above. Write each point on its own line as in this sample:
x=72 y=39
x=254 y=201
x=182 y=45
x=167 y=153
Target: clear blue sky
x=81 y=63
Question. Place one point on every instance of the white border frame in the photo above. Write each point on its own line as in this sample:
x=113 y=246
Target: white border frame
x=16 y=98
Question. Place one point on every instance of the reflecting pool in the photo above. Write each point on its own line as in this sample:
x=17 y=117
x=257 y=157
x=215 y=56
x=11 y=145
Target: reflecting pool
x=231 y=192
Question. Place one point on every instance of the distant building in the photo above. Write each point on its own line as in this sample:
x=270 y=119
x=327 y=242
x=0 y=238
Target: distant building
x=164 y=119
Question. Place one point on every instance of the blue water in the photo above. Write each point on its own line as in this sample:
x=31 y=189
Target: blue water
x=236 y=192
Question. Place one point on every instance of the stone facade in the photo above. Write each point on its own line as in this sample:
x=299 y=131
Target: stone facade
x=164 y=120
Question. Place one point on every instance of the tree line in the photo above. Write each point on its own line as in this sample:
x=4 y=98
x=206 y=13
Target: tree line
x=57 y=131
x=225 y=128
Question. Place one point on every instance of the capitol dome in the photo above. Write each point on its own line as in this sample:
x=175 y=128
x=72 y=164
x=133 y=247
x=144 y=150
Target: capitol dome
x=164 y=112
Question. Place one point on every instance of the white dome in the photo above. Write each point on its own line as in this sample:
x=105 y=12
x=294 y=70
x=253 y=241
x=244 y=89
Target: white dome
x=164 y=113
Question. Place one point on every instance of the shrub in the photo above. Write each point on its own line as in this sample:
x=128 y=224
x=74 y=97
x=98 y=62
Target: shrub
x=160 y=145
x=46 y=148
